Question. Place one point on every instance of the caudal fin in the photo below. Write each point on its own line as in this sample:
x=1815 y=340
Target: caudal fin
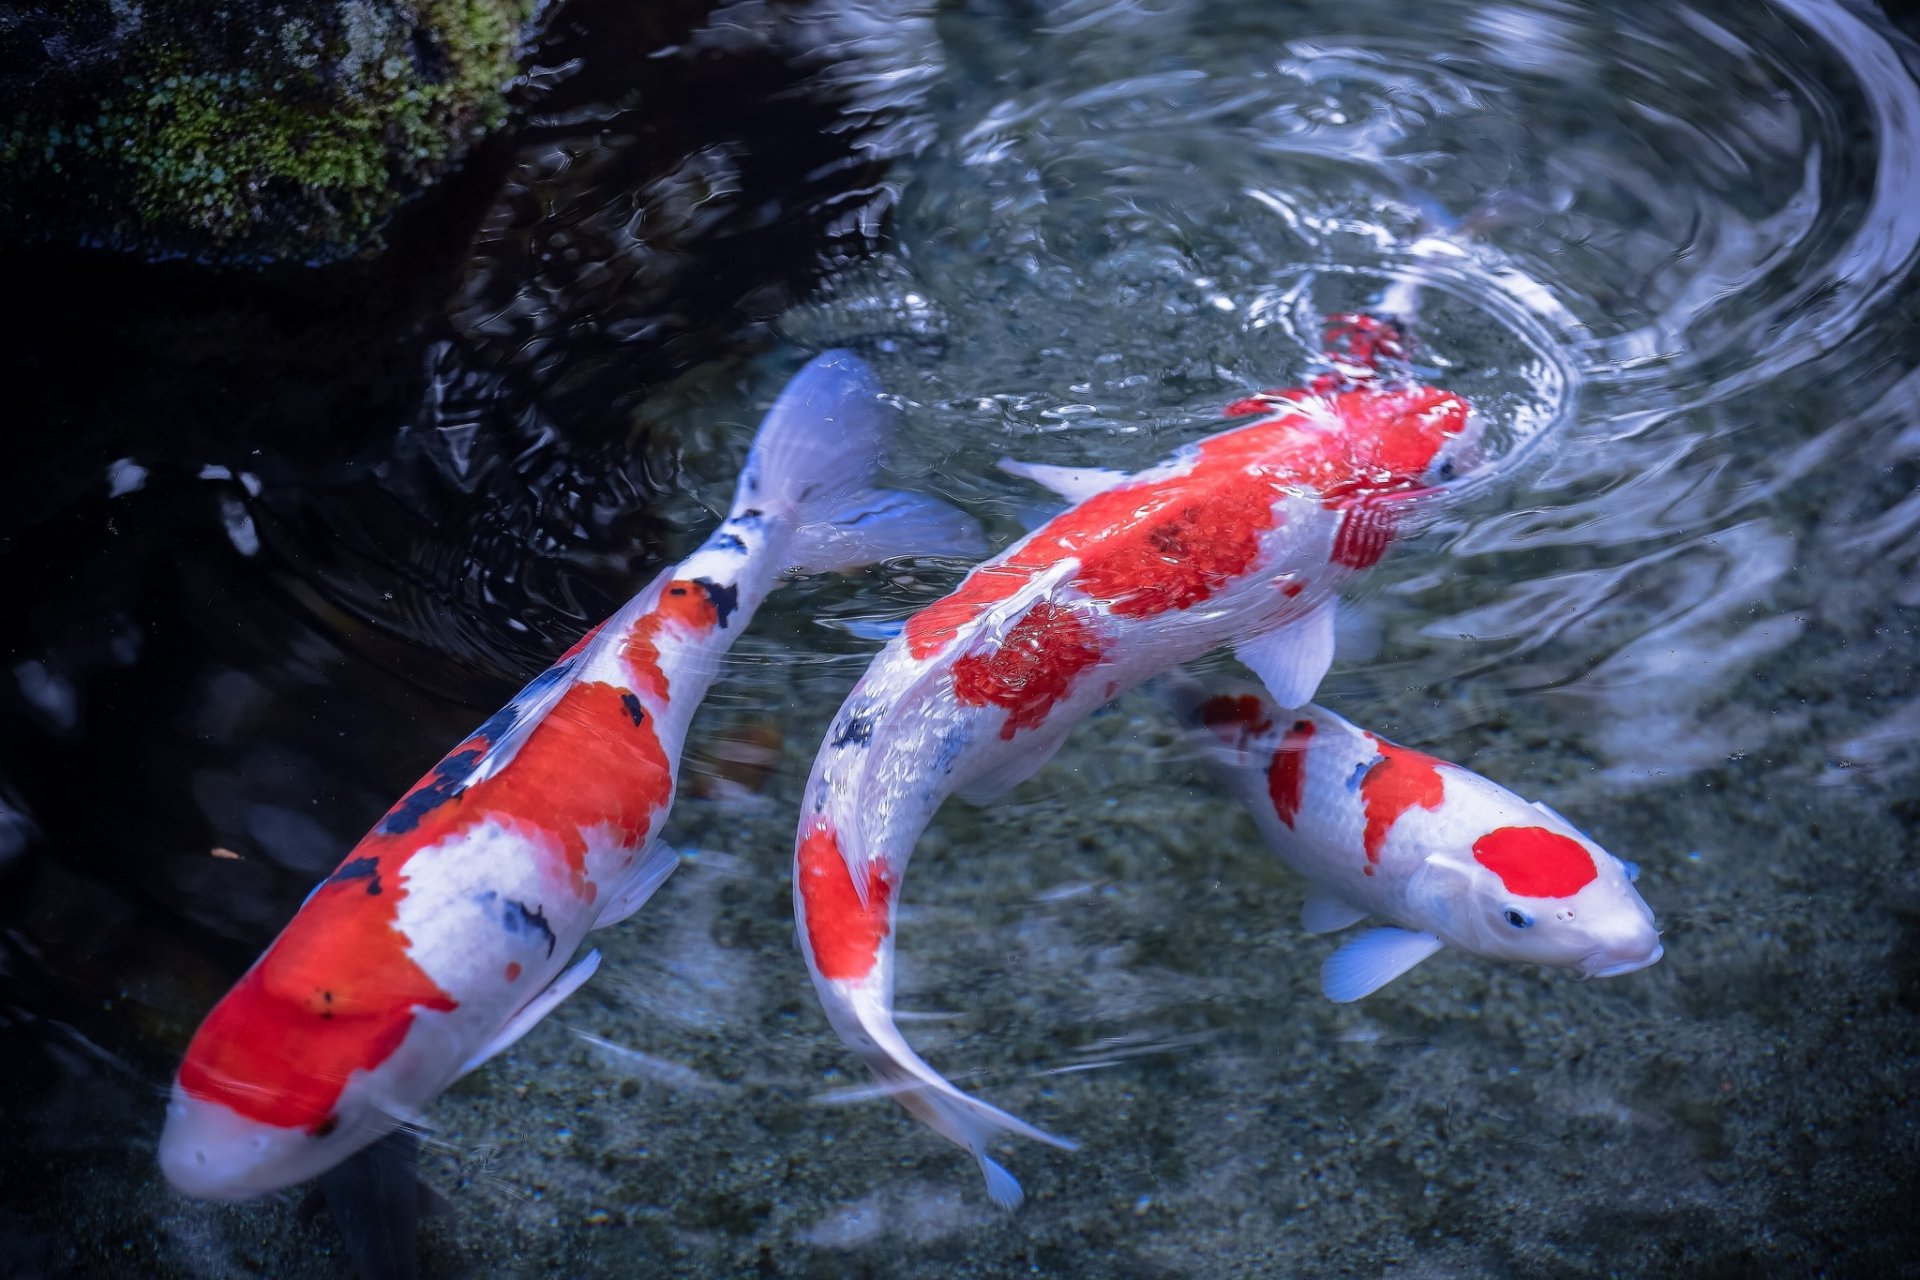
x=815 y=458
x=963 y=1120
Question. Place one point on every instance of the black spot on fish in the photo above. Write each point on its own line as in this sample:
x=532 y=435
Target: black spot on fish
x=326 y=1126
x=443 y=785
x=367 y=869
x=725 y=597
x=634 y=709
x=727 y=542
x=749 y=516
x=856 y=729
x=516 y=918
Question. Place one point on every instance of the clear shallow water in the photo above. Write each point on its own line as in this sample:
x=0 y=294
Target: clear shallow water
x=1669 y=258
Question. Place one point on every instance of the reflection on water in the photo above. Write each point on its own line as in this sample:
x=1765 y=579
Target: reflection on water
x=309 y=533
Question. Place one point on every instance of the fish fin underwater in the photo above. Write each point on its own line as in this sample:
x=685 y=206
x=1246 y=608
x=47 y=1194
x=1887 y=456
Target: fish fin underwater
x=376 y=1200
x=1325 y=911
x=931 y=1098
x=1370 y=961
x=1293 y=658
x=815 y=456
x=649 y=871
x=1075 y=484
x=536 y=1009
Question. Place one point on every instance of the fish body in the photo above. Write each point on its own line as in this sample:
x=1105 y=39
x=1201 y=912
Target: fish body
x=448 y=931
x=1442 y=856
x=1241 y=539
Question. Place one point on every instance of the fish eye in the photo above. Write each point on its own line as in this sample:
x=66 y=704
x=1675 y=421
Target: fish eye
x=1447 y=469
x=1518 y=919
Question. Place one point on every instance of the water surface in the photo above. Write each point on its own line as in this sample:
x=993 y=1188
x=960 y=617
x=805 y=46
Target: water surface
x=1669 y=257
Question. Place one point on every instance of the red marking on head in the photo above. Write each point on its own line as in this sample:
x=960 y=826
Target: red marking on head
x=683 y=607
x=1287 y=774
x=1235 y=719
x=1250 y=405
x=513 y=971
x=1533 y=862
x=337 y=992
x=843 y=933
x=1397 y=782
x=1292 y=588
x=1030 y=670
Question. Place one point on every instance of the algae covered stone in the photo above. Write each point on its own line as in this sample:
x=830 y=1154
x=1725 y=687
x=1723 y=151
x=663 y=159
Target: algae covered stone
x=287 y=129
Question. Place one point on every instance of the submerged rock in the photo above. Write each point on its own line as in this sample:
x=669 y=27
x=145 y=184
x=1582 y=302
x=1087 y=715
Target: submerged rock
x=288 y=129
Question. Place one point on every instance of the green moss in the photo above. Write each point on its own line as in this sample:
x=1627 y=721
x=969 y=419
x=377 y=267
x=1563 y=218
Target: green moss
x=298 y=134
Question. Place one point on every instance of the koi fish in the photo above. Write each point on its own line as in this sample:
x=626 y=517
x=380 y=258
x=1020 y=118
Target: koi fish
x=1444 y=856
x=446 y=933
x=1240 y=539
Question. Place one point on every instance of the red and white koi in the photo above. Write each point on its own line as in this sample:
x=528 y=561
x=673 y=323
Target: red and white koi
x=445 y=935
x=1241 y=539
x=1444 y=856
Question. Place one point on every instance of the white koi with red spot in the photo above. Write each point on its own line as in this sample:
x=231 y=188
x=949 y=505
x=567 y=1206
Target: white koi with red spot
x=446 y=933
x=1445 y=857
x=1240 y=539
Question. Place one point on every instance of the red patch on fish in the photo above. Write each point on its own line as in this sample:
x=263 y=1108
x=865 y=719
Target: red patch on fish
x=513 y=971
x=335 y=994
x=338 y=991
x=1031 y=669
x=1398 y=780
x=843 y=933
x=1533 y=862
x=1235 y=719
x=1287 y=774
x=1147 y=548
x=683 y=606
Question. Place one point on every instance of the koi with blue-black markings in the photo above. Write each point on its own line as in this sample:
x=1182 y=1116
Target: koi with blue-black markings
x=448 y=931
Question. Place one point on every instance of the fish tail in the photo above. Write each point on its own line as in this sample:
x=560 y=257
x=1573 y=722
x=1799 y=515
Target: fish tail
x=866 y=1024
x=814 y=461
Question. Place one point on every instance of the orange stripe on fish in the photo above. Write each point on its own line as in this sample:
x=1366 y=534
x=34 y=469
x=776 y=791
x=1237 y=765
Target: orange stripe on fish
x=1398 y=780
x=1287 y=775
x=685 y=606
x=843 y=933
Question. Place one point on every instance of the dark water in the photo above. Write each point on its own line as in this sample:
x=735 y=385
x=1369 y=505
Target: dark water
x=272 y=542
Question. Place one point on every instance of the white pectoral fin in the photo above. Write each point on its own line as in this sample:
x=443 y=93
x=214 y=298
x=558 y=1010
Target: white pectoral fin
x=1373 y=959
x=1325 y=911
x=649 y=871
x=1292 y=659
x=534 y=1010
x=1075 y=484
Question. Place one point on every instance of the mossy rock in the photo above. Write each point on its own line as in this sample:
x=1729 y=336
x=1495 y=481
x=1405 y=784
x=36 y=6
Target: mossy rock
x=224 y=130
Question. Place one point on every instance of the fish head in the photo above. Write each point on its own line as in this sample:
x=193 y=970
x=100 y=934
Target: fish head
x=1396 y=438
x=270 y=1095
x=1532 y=889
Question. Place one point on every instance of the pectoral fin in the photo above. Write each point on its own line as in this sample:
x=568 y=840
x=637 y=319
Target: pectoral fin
x=1325 y=911
x=1372 y=960
x=534 y=1010
x=1293 y=658
x=1075 y=484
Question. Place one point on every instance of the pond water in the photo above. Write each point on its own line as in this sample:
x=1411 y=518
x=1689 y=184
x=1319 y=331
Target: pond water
x=276 y=540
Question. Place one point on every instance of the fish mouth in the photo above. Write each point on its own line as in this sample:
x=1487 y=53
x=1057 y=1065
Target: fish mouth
x=1596 y=966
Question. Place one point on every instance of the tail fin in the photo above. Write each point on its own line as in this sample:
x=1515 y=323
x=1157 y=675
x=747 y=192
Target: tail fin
x=960 y=1119
x=815 y=457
